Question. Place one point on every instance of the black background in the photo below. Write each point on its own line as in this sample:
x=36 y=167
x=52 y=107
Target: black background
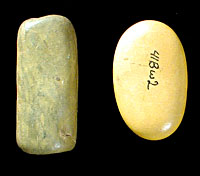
x=103 y=138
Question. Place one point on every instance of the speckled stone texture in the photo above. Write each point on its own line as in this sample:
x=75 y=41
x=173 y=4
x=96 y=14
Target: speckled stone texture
x=47 y=85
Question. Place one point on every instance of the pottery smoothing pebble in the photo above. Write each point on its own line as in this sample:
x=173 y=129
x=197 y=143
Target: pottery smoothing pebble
x=150 y=79
x=47 y=85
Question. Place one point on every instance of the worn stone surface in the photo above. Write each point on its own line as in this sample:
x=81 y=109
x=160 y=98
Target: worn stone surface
x=47 y=85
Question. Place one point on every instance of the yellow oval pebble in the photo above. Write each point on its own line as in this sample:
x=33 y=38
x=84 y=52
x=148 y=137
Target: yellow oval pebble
x=150 y=79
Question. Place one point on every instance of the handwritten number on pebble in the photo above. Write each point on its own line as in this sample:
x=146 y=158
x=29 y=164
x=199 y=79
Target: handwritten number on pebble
x=153 y=65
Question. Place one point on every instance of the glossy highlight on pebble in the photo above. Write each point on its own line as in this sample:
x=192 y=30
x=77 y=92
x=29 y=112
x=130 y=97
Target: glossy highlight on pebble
x=150 y=79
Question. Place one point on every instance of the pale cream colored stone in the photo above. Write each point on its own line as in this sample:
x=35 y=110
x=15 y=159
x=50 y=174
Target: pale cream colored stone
x=150 y=79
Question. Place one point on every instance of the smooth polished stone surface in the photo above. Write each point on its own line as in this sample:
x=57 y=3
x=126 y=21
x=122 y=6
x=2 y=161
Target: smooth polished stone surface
x=47 y=85
x=150 y=79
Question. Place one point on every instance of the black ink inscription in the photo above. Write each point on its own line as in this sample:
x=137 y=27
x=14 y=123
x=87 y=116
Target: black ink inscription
x=155 y=83
x=153 y=65
x=151 y=74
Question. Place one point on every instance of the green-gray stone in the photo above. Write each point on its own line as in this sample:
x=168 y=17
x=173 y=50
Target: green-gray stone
x=47 y=85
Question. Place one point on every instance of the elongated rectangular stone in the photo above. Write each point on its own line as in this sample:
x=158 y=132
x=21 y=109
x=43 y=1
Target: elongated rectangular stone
x=47 y=85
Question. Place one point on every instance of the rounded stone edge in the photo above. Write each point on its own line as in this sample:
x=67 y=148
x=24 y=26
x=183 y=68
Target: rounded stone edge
x=185 y=63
